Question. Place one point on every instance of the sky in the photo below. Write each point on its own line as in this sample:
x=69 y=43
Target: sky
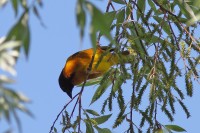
x=38 y=75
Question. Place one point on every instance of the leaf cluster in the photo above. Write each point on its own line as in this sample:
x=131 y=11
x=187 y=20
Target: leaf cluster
x=17 y=38
x=161 y=35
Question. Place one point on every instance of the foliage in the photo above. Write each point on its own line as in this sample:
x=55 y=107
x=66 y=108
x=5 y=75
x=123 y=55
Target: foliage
x=166 y=49
x=10 y=45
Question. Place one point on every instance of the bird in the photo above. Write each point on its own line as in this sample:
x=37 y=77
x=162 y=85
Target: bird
x=75 y=70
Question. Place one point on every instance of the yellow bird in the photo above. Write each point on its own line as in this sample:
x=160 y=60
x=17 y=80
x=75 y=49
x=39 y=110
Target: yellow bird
x=76 y=68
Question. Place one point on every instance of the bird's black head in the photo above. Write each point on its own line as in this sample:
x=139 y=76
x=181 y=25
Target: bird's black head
x=66 y=84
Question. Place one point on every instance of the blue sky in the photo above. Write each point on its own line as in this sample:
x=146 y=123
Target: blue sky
x=38 y=76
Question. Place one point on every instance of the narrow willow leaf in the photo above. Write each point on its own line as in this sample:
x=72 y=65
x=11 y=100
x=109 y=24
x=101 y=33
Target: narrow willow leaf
x=141 y=4
x=152 y=5
x=89 y=128
x=172 y=64
x=98 y=22
x=15 y=6
x=141 y=92
x=184 y=108
x=104 y=84
x=101 y=119
x=189 y=86
x=20 y=32
x=175 y=128
x=149 y=130
x=80 y=17
x=92 y=112
x=180 y=93
x=120 y=118
x=168 y=114
x=136 y=43
x=118 y=83
x=104 y=106
x=171 y=102
x=151 y=112
x=147 y=17
x=55 y=130
x=120 y=99
x=193 y=67
x=159 y=131
x=120 y=19
x=27 y=41
x=185 y=9
x=110 y=16
x=120 y=16
x=100 y=90
x=17 y=120
x=128 y=10
x=164 y=24
x=93 y=36
x=24 y=4
x=92 y=82
x=139 y=82
x=102 y=130
x=110 y=101
x=145 y=117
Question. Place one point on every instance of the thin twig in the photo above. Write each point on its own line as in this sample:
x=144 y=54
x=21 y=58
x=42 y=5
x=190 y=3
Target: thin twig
x=80 y=93
x=177 y=18
x=174 y=35
x=74 y=108
x=64 y=107
x=144 y=20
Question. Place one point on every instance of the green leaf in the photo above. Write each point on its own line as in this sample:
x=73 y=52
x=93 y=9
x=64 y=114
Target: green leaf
x=119 y=2
x=104 y=84
x=128 y=10
x=120 y=118
x=23 y=4
x=37 y=14
x=92 y=82
x=152 y=5
x=89 y=128
x=141 y=8
x=164 y=24
x=102 y=130
x=27 y=41
x=20 y=32
x=121 y=16
x=189 y=85
x=184 y=108
x=110 y=16
x=101 y=119
x=55 y=130
x=118 y=82
x=15 y=6
x=185 y=9
x=98 y=23
x=80 y=17
x=159 y=130
x=100 y=90
x=175 y=128
x=92 y=112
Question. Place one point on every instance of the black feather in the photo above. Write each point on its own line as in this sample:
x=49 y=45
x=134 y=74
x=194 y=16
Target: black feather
x=66 y=84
